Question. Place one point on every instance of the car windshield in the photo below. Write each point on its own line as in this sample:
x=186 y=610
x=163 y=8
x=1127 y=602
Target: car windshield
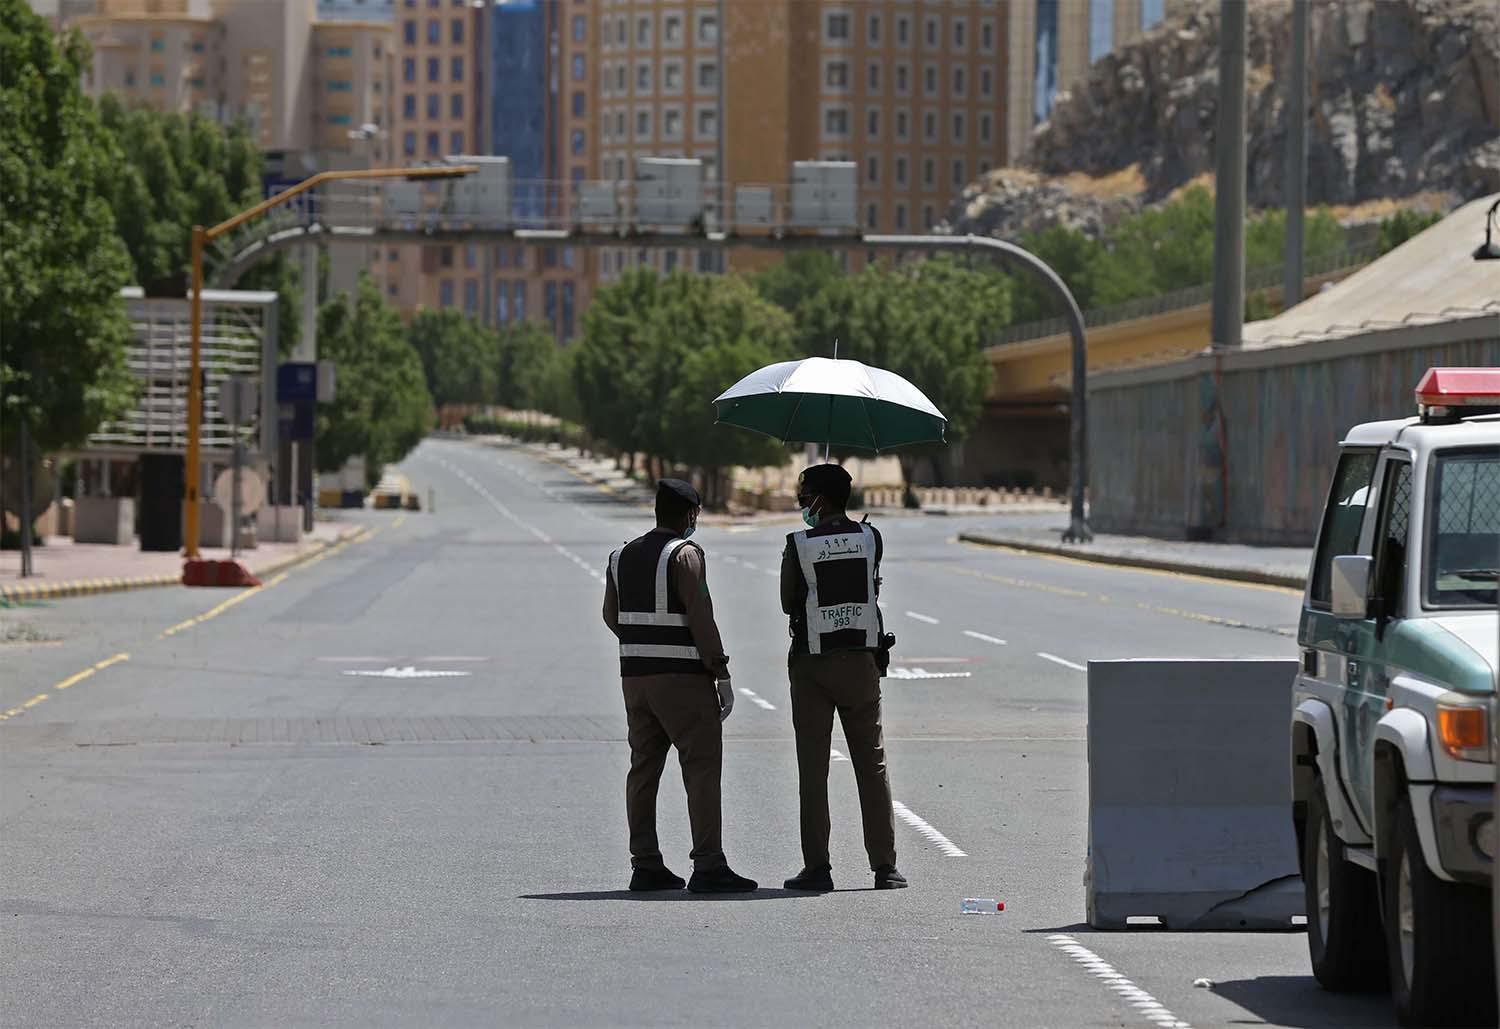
x=1463 y=566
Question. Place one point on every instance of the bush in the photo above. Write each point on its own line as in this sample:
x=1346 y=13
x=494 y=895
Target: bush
x=561 y=433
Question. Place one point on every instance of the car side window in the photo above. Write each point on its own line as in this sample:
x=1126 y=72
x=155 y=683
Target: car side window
x=1343 y=518
x=1392 y=542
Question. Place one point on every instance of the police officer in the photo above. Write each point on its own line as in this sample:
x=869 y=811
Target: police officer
x=675 y=676
x=830 y=578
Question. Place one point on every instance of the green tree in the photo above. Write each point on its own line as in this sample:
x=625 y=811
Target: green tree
x=63 y=330
x=1073 y=255
x=800 y=275
x=1402 y=226
x=458 y=355
x=607 y=368
x=525 y=352
x=382 y=403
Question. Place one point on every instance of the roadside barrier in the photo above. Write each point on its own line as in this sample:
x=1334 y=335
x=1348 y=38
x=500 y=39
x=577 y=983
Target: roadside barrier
x=1190 y=799
x=217 y=573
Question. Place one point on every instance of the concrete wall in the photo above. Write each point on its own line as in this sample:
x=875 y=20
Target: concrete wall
x=1283 y=412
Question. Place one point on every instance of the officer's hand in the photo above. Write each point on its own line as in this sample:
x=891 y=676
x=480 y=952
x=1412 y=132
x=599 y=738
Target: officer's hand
x=726 y=698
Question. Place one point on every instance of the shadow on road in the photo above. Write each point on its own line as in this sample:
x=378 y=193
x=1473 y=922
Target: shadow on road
x=1297 y=1000
x=675 y=895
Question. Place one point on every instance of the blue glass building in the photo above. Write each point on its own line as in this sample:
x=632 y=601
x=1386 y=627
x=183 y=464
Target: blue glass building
x=519 y=96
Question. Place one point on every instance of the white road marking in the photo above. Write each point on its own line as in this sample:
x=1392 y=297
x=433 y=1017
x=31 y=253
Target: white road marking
x=750 y=567
x=922 y=618
x=758 y=700
x=1061 y=661
x=408 y=672
x=934 y=837
x=1149 y=1007
x=922 y=673
x=981 y=636
x=836 y=756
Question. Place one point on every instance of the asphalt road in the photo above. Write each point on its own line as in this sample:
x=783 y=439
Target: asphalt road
x=388 y=789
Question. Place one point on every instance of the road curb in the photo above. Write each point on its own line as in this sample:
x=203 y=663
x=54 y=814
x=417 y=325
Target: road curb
x=1249 y=575
x=115 y=584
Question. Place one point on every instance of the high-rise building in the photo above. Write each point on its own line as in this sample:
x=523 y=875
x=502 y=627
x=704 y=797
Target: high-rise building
x=1053 y=44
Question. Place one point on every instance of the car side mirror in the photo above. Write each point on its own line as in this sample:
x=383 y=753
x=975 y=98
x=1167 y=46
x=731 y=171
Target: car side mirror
x=1351 y=586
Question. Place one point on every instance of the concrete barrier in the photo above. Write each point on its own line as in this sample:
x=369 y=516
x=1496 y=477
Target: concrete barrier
x=1190 y=810
x=104 y=520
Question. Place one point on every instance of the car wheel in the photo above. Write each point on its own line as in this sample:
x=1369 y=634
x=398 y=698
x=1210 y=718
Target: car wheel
x=1343 y=908
x=1438 y=937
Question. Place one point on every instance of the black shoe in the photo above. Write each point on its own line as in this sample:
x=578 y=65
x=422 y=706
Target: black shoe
x=887 y=878
x=643 y=880
x=815 y=880
x=719 y=880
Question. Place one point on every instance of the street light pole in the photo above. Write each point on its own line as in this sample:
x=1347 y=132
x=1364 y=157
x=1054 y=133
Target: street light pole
x=202 y=237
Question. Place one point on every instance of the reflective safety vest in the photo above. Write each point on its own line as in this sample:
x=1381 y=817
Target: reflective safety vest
x=838 y=567
x=654 y=634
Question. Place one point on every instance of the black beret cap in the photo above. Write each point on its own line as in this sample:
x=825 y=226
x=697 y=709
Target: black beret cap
x=678 y=490
x=824 y=480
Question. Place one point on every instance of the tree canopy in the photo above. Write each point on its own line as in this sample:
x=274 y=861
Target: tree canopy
x=63 y=326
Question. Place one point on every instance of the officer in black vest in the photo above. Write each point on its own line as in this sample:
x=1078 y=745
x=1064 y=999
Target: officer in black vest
x=675 y=676
x=830 y=578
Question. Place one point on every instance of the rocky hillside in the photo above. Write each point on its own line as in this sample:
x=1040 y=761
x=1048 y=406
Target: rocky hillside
x=1404 y=100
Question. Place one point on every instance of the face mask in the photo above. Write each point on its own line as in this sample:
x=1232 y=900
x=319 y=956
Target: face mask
x=809 y=517
x=688 y=532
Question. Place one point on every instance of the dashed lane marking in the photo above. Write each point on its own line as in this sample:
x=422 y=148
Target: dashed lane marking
x=920 y=824
x=985 y=637
x=757 y=699
x=1148 y=1006
x=70 y=681
x=834 y=755
x=1061 y=661
x=922 y=618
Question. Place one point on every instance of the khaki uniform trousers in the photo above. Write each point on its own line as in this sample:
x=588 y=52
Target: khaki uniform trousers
x=847 y=682
x=682 y=711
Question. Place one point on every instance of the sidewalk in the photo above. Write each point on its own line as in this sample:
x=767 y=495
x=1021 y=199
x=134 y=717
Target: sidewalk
x=63 y=568
x=1273 y=566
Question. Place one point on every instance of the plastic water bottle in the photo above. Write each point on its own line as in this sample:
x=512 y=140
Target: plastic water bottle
x=981 y=906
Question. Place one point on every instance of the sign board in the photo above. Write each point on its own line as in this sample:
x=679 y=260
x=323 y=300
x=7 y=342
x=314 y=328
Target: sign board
x=239 y=396
x=252 y=490
x=297 y=383
x=325 y=392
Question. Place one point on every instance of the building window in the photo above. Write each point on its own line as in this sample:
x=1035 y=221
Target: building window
x=985 y=128
x=502 y=300
x=671 y=30
x=158 y=79
x=620 y=80
x=929 y=127
x=927 y=220
x=872 y=77
x=580 y=28
x=986 y=37
x=959 y=135
x=960 y=82
x=341 y=119
x=836 y=75
x=434 y=69
x=872 y=123
x=434 y=32
x=643 y=31
x=409 y=145
x=836 y=121
x=471 y=256
x=984 y=167
x=901 y=177
x=903 y=79
x=549 y=302
x=158 y=44
x=409 y=106
x=708 y=28
x=986 y=83
x=930 y=80
x=434 y=106
x=129 y=78
x=903 y=30
x=434 y=144
x=872 y=216
x=619 y=124
x=518 y=299
x=471 y=297
x=960 y=180
x=577 y=142
x=872 y=30
x=456 y=105
x=458 y=69
x=900 y=217
x=836 y=27
x=960 y=34
x=903 y=126
x=643 y=77
x=445 y=257
x=456 y=142
x=408 y=33
x=580 y=69
x=671 y=123
x=456 y=31
x=933 y=31
x=708 y=123
x=929 y=173
x=579 y=103
x=642 y=125
x=872 y=170
x=409 y=69
x=445 y=293
x=708 y=77
x=671 y=76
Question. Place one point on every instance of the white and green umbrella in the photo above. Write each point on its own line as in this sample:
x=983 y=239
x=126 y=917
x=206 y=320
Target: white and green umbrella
x=844 y=404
